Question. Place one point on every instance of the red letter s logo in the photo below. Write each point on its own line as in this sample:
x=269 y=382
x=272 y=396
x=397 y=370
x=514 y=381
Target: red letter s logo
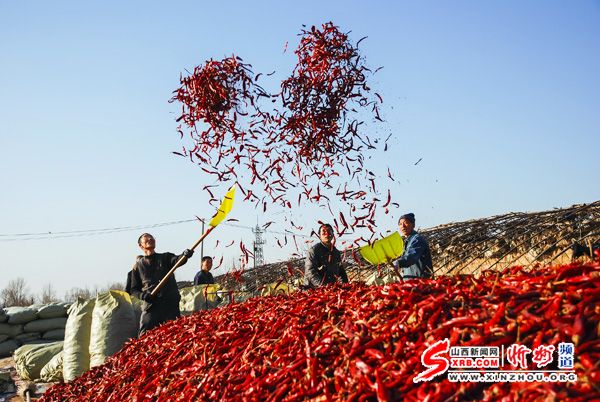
x=435 y=364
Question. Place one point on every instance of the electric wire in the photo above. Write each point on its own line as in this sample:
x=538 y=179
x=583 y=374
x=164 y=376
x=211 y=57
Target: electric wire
x=8 y=237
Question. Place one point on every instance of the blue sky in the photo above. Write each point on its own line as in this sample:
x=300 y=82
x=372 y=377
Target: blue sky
x=500 y=99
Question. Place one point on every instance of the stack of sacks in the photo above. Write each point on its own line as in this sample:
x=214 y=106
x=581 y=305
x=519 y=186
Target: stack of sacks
x=76 y=353
x=33 y=324
x=92 y=330
x=53 y=371
x=31 y=359
x=199 y=297
x=113 y=324
x=96 y=329
x=53 y=318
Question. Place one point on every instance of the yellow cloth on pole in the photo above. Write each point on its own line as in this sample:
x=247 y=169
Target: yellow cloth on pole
x=224 y=208
x=383 y=250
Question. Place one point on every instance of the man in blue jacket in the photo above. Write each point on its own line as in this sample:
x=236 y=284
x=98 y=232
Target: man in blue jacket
x=415 y=261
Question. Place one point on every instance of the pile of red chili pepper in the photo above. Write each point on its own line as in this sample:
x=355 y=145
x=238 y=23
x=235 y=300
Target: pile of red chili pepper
x=304 y=144
x=356 y=342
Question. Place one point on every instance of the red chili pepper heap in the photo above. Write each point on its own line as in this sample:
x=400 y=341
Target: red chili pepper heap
x=356 y=342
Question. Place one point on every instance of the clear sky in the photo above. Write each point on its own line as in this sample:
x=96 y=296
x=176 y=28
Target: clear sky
x=501 y=100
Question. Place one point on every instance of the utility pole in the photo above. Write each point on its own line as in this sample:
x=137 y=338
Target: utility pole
x=259 y=258
x=202 y=244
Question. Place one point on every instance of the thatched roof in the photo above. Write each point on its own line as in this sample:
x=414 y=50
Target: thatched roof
x=497 y=242
x=513 y=239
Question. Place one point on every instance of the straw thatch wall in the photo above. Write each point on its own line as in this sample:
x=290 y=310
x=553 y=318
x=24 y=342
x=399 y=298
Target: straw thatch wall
x=497 y=242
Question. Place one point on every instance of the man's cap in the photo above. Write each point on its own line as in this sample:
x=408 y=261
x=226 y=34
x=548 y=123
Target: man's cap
x=409 y=217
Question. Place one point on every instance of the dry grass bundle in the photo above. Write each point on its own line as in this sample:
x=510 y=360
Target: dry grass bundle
x=497 y=242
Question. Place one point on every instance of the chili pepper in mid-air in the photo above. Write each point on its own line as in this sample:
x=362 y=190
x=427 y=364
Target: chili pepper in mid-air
x=309 y=136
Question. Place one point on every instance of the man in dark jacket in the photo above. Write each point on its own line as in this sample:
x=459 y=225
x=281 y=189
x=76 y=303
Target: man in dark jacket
x=415 y=261
x=324 y=262
x=130 y=274
x=146 y=275
x=204 y=277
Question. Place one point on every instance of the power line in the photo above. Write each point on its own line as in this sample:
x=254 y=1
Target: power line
x=122 y=228
x=94 y=232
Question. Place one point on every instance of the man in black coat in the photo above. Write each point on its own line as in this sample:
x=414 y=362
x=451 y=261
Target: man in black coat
x=146 y=275
x=130 y=274
x=324 y=262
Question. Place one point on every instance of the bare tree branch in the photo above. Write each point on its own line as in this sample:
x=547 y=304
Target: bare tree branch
x=48 y=294
x=16 y=294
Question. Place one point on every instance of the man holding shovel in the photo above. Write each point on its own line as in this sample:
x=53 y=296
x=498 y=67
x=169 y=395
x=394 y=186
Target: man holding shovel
x=153 y=280
x=147 y=273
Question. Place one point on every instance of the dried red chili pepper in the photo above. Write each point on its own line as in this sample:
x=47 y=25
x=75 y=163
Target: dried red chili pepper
x=293 y=151
x=354 y=342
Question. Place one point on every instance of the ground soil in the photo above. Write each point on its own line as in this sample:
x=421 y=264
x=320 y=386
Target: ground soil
x=35 y=389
